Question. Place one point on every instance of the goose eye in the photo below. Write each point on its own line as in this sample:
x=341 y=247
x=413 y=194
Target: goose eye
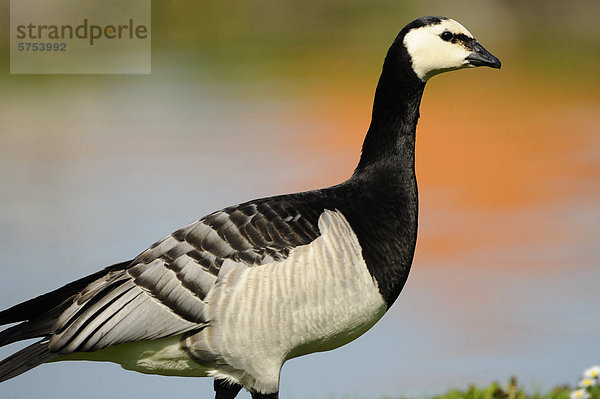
x=447 y=35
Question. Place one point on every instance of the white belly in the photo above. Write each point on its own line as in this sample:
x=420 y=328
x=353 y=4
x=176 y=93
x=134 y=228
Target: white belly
x=161 y=356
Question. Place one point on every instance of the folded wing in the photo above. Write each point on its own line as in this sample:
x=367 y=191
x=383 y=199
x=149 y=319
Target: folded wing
x=161 y=292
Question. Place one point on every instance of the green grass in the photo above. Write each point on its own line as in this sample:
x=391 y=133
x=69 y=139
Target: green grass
x=511 y=390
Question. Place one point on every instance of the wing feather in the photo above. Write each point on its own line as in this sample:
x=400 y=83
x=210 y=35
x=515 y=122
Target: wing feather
x=77 y=335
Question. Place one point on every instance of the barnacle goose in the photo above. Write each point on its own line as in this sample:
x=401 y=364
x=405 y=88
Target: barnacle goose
x=237 y=293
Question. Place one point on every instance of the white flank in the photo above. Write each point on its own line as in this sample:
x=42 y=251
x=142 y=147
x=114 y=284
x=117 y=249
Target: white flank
x=319 y=298
x=430 y=54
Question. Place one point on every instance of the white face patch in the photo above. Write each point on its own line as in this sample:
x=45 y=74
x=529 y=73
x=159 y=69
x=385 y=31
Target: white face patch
x=430 y=54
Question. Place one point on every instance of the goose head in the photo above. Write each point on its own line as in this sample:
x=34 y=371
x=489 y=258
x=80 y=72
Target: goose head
x=439 y=44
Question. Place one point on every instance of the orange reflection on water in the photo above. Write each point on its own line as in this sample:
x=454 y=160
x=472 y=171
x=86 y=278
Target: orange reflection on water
x=491 y=156
x=509 y=147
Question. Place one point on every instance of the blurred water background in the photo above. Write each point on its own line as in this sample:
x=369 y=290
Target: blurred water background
x=250 y=99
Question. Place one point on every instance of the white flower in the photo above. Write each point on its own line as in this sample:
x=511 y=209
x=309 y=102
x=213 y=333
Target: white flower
x=588 y=382
x=579 y=394
x=592 y=372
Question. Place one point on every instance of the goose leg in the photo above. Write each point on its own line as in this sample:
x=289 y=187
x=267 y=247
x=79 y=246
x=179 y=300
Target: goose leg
x=226 y=390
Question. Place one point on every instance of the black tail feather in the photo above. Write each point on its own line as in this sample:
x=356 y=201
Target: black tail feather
x=25 y=330
x=25 y=360
x=37 y=316
x=34 y=308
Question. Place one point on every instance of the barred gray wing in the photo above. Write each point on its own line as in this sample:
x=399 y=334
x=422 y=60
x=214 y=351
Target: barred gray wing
x=161 y=293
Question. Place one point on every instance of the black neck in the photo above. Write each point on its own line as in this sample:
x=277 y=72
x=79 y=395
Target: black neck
x=384 y=215
x=390 y=140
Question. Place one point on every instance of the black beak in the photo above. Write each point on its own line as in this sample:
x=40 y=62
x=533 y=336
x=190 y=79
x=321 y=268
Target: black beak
x=481 y=57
